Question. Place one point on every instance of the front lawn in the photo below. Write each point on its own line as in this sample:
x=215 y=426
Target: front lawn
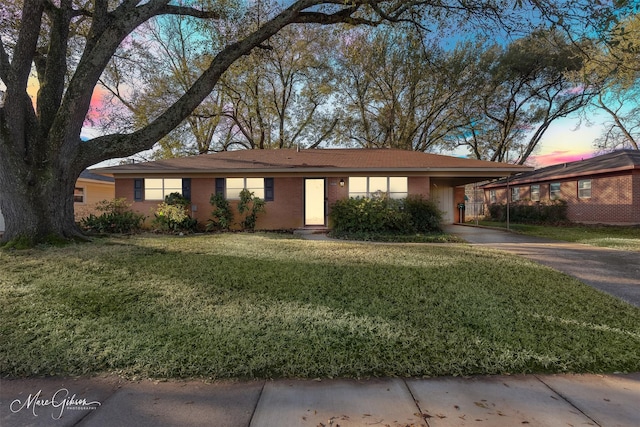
x=252 y=305
x=618 y=237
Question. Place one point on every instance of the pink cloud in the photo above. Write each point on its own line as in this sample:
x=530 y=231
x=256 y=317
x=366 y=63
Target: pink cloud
x=97 y=101
x=557 y=157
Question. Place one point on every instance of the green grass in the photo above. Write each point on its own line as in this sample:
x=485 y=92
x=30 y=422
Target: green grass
x=397 y=238
x=617 y=237
x=264 y=306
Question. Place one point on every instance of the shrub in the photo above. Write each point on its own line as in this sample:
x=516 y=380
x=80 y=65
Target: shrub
x=425 y=215
x=381 y=215
x=528 y=213
x=497 y=212
x=249 y=206
x=177 y=199
x=222 y=213
x=370 y=215
x=116 y=217
x=172 y=216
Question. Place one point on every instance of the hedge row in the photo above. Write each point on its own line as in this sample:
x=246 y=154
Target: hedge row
x=527 y=213
x=414 y=214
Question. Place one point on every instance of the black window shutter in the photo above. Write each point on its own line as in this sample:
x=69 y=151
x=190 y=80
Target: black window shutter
x=220 y=186
x=138 y=189
x=268 y=190
x=186 y=188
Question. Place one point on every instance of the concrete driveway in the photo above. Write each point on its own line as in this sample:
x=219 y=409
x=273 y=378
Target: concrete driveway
x=613 y=271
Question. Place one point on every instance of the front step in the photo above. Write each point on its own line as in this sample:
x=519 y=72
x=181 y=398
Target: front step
x=311 y=230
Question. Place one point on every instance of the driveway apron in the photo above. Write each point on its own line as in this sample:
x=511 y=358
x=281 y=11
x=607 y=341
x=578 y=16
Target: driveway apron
x=613 y=271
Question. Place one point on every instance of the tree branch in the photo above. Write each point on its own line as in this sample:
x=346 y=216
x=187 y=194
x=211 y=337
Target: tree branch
x=5 y=63
x=26 y=46
x=190 y=11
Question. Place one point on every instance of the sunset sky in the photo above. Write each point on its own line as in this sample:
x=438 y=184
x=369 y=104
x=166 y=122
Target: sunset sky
x=564 y=143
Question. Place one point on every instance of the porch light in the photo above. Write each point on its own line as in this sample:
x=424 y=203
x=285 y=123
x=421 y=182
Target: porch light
x=341 y=182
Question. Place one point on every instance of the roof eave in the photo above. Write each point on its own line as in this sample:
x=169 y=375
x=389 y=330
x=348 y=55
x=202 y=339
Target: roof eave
x=533 y=179
x=302 y=170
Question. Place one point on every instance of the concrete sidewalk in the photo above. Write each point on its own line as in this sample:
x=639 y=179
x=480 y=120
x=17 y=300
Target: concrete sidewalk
x=532 y=400
x=613 y=271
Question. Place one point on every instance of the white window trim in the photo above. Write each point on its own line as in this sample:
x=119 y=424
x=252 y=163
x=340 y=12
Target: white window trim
x=552 y=194
x=532 y=193
x=584 y=189
x=515 y=191
x=84 y=195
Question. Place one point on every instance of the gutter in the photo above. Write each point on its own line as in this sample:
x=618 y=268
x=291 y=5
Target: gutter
x=299 y=170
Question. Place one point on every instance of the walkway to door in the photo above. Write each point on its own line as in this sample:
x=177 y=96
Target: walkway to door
x=613 y=271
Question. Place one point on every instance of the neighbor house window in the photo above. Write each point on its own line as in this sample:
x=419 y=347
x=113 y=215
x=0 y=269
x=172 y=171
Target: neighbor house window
x=535 y=193
x=554 y=191
x=515 y=194
x=396 y=187
x=492 y=196
x=78 y=195
x=159 y=188
x=584 y=189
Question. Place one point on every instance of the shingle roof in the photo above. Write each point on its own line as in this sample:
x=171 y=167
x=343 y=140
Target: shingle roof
x=612 y=162
x=87 y=174
x=290 y=160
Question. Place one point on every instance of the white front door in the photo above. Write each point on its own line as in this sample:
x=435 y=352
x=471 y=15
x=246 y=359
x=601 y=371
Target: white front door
x=443 y=196
x=314 y=203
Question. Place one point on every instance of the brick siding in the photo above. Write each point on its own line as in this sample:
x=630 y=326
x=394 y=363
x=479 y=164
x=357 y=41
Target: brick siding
x=285 y=212
x=615 y=198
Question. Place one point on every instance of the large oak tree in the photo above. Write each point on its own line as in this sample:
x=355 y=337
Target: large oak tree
x=70 y=43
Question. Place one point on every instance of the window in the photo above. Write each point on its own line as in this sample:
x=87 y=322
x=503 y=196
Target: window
x=78 y=195
x=159 y=188
x=358 y=186
x=396 y=187
x=535 y=193
x=554 y=191
x=492 y=196
x=584 y=189
x=515 y=194
x=236 y=185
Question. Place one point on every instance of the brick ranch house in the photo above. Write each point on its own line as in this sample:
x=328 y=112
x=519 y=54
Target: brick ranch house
x=299 y=186
x=604 y=189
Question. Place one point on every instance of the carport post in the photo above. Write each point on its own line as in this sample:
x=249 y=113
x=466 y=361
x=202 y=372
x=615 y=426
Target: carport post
x=508 y=202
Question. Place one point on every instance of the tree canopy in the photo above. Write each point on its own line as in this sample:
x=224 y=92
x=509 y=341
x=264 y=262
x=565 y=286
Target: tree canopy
x=612 y=69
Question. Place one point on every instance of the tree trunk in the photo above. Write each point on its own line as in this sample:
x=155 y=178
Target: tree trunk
x=37 y=209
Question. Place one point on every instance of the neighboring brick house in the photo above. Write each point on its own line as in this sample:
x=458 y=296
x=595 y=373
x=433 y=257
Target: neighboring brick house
x=299 y=186
x=603 y=189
